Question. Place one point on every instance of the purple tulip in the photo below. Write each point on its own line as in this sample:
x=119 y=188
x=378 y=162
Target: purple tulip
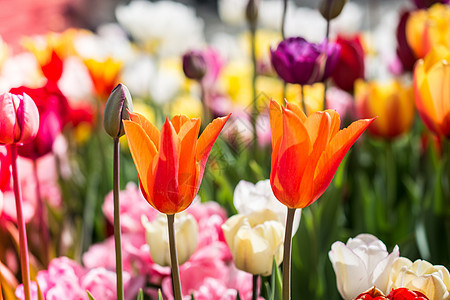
x=298 y=61
x=427 y=3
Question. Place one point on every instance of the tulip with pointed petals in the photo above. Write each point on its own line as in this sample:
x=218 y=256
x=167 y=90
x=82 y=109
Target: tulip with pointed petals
x=431 y=80
x=306 y=151
x=170 y=163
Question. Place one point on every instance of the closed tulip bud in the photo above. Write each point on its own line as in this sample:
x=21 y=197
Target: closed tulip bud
x=254 y=241
x=194 y=65
x=19 y=118
x=186 y=234
x=116 y=109
x=251 y=12
x=330 y=9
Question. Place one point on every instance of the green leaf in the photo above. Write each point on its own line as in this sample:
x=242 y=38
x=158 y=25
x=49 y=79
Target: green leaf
x=238 y=297
x=160 y=295
x=90 y=295
x=140 y=295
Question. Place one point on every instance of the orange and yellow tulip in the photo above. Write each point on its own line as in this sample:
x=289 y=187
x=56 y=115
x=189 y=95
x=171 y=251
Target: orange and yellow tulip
x=306 y=151
x=427 y=28
x=432 y=93
x=392 y=102
x=104 y=74
x=170 y=163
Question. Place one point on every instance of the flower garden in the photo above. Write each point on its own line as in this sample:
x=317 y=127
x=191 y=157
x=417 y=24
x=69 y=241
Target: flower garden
x=276 y=152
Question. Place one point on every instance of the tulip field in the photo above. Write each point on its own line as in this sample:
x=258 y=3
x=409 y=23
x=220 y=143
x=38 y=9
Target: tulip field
x=238 y=149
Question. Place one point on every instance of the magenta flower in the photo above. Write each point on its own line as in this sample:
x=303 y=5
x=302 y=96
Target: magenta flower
x=298 y=61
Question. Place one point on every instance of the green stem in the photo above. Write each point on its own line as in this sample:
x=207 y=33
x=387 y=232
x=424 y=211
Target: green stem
x=255 y=287
x=325 y=85
x=254 y=102
x=391 y=178
x=23 y=244
x=176 y=283
x=117 y=234
x=42 y=216
x=303 y=100
x=283 y=20
x=287 y=254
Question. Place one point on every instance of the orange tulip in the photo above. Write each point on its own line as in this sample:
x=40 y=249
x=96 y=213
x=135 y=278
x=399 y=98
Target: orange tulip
x=170 y=163
x=306 y=151
x=391 y=101
x=427 y=28
x=431 y=88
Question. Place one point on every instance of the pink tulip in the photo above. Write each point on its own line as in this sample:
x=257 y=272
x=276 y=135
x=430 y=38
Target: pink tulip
x=20 y=119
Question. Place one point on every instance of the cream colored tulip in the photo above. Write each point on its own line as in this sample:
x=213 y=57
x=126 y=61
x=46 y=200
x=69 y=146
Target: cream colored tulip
x=157 y=236
x=255 y=240
x=361 y=263
x=432 y=281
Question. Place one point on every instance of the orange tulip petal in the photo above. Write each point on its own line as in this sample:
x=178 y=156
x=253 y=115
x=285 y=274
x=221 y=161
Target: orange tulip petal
x=150 y=129
x=178 y=121
x=334 y=153
x=165 y=187
x=290 y=160
x=187 y=173
x=319 y=123
x=142 y=149
x=207 y=139
x=297 y=110
x=276 y=127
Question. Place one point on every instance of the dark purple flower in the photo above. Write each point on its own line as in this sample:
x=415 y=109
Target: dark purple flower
x=427 y=3
x=298 y=61
x=194 y=65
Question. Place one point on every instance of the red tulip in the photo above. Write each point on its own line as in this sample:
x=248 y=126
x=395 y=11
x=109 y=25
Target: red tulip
x=54 y=113
x=350 y=65
x=19 y=119
x=405 y=294
x=170 y=163
x=306 y=152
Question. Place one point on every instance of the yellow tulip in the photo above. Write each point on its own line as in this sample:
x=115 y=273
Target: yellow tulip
x=392 y=102
x=255 y=240
x=428 y=28
x=432 y=281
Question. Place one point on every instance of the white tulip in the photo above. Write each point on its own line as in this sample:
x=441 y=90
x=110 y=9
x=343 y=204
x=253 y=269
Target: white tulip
x=432 y=281
x=157 y=235
x=249 y=198
x=254 y=241
x=360 y=264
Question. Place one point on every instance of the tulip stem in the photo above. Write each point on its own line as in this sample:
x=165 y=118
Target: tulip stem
x=117 y=234
x=176 y=283
x=287 y=254
x=283 y=20
x=42 y=216
x=255 y=287
x=254 y=114
x=23 y=245
x=303 y=99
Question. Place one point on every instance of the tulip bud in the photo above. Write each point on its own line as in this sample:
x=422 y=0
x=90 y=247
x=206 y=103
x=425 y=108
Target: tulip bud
x=255 y=240
x=116 y=110
x=251 y=12
x=157 y=236
x=330 y=9
x=19 y=118
x=194 y=65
